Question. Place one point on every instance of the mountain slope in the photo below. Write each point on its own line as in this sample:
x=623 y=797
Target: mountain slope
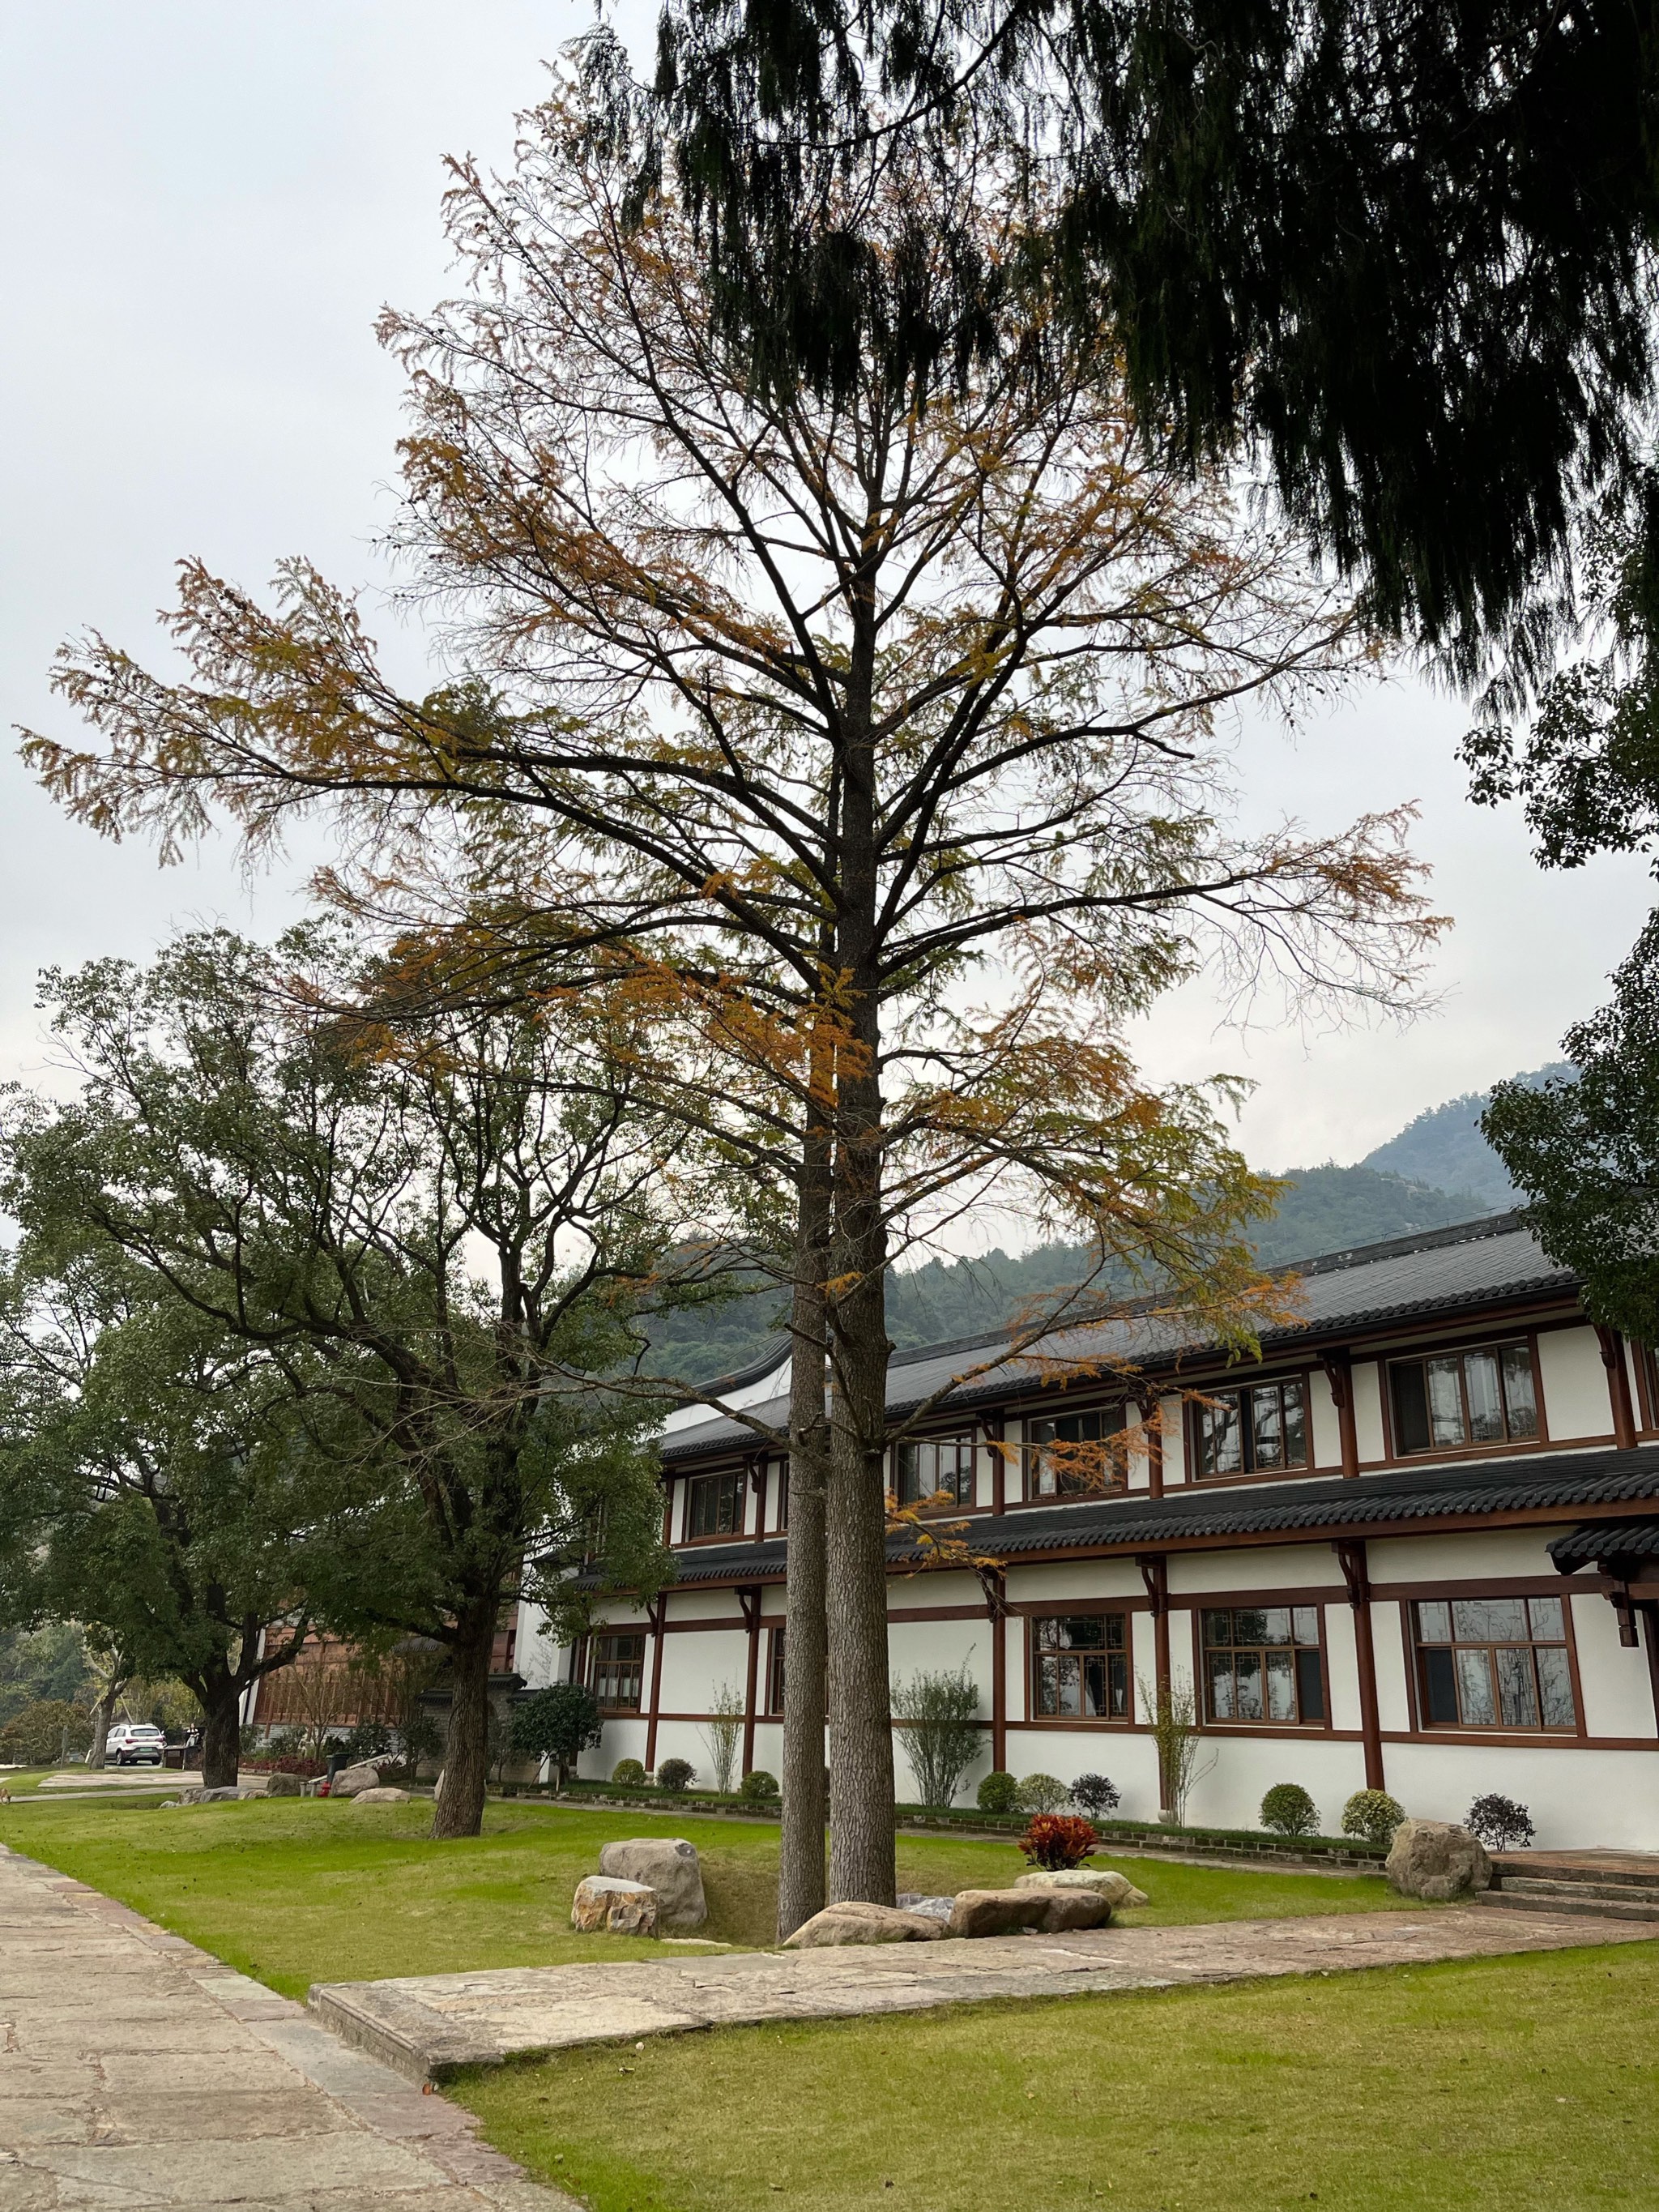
x=1444 y=1147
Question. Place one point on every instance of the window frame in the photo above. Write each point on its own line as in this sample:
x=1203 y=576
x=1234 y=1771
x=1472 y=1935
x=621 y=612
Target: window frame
x=617 y=1635
x=1498 y=1731
x=1082 y=1609
x=1460 y=1348
x=1193 y=1435
x=924 y=1501
x=735 y=1475
x=772 y=1686
x=1031 y=1450
x=1287 y=1600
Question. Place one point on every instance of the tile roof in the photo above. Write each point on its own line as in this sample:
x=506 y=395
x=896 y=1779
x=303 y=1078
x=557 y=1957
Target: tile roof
x=1604 y=1540
x=1491 y=1262
x=1564 y=1482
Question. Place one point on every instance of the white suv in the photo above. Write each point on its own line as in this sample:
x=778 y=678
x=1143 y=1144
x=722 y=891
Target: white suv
x=133 y=1743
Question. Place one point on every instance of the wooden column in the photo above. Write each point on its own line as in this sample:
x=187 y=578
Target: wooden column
x=667 y=1509
x=1339 y=1373
x=1650 y=1625
x=656 y=1613
x=1155 y=1574
x=994 y=1583
x=1351 y=1556
x=1150 y=1411
x=994 y=1427
x=1624 y=1413
x=750 y=1600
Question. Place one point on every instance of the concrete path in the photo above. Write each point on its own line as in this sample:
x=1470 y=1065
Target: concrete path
x=137 y=2071
x=428 y=2025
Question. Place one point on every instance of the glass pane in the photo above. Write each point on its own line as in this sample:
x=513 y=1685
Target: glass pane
x=1221 y=1686
x=1075 y=1631
x=1519 y=1397
x=1218 y=1449
x=1247 y=1673
x=1555 y=1687
x=1486 y=1408
x=1115 y=1626
x=1474 y=1690
x=731 y=1505
x=1047 y=1684
x=1439 y=1687
x=1275 y=1625
x=1305 y=1623
x=1118 y=1684
x=1266 y=1427
x=1310 y=1686
x=1070 y=1689
x=1411 y=1409
x=1249 y=1625
x=1547 y=1624
x=1094 y=1688
x=1434 y=1621
x=1490 y=1619
x=1517 y=1693
x=1445 y=1400
x=1218 y=1628
x=1281 y=1689
x=1295 y=1426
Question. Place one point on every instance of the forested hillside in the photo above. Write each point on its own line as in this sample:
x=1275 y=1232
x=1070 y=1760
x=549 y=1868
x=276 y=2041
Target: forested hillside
x=1444 y=1147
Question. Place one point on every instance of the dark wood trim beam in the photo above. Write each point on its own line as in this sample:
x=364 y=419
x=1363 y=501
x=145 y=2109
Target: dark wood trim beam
x=1619 y=1397
x=750 y=1600
x=655 y=1613
x=1338 y=1364
x=1351 y=1556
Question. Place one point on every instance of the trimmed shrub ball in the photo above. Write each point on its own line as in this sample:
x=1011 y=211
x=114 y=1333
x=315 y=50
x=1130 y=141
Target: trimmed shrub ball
x=758 y=1787
x=1372 y=1815
x=674 y=1775
x=1097 y=1793
x=628 y=1774
x=997 y=1793
x=1042 y=1793
x=1500 y=1823
x=1288 y=1810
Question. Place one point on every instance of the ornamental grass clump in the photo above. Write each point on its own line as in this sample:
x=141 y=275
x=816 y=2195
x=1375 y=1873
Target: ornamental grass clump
x=1055 y=1840
x=1288 y=1810
x=1372 y=1815
x=1499 y=1823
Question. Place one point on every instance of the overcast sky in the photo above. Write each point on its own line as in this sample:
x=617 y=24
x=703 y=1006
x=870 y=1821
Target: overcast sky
x=208 y=205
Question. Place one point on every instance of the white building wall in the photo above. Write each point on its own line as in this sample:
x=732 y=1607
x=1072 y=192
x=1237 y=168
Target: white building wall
x=1366 y=1382
x=1574 y=1384
x=1325 y=1421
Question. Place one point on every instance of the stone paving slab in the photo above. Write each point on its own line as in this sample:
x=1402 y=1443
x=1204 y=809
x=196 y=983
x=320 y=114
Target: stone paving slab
x=427 y=2026
x=137 y=2071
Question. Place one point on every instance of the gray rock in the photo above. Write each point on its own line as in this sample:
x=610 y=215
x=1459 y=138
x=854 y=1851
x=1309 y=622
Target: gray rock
x=285 y=1785
x=864 y=1923
x=365 y=1775
x=667 y=1864
x=934 y=1908
x=1437 y=1861
x=383 y=1795
x=1117 y=1889
x=998 y=1912
x=603 y=1905
x=1071 y=1909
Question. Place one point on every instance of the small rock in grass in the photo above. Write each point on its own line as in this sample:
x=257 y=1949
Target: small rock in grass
x=352 y=1781
x=382 y=1797
x=1117 y=1889
x=1070 y=1910
x=283 y=1785
x=603 y=1905
x=1437 y=1861
x=667 y=1864
x=997 y=1912
x=852 y=1923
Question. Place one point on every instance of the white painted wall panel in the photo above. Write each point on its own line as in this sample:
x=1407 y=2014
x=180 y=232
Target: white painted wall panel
x=1326 y=1421
x=1241 y=1770
x=1577 y=1799
x=1574 y=1383
x=1368 y=1410
x=1618 y=1689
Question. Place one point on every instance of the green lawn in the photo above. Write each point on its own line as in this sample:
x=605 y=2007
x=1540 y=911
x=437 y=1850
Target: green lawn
x=315 y=1889
x=1500 y=2086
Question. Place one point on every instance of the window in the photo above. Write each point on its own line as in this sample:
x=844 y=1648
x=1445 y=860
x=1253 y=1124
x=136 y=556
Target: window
x=1258 y=1430
x=1064 y=1459
x=1081 y=1666
x=1464 y=1398
x=619 y=1669
x=1494 y=1662
x=715 y=1504
x=1261 y=1663
x=926 y=1465
x=775 y=1673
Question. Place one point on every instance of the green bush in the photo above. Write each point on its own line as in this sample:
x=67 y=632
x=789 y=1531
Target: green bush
x=1288 y=1810
x=44 y=1732
x=1372 y=1815
x=1042 y=1793
x=759 y=1788
x=997 y=1793
x=675 y=1776
x=628 y=1774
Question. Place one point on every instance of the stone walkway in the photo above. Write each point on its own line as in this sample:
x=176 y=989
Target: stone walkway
x=137 y=2071
x=428 y=2025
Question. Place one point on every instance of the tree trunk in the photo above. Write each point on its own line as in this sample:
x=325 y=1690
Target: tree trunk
x=103 y=1713
x=222 y=1730
x=459 y=1810
x=800 y=1856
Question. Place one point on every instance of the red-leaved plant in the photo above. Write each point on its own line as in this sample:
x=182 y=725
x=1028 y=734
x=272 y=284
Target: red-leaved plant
x=1058 y=1839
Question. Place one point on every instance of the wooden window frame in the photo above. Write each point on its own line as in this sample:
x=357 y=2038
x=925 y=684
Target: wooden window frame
x=772 y=1705
x=1289 y=1600
x=1499 y=1732
x=970 y=1436
x=1030 y=1450
x=603 y=1636
x=1459 y=1348
x=737 y=1477
x=1191 y=1439
x=1081 y=1608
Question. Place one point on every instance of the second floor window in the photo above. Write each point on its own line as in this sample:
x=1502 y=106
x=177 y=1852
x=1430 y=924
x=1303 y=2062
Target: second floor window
x=1069 y=1456
x=713 y=1504
x=1483 y=1397
x=924 y=1466
x=1258 y=1430
x=618 y=1672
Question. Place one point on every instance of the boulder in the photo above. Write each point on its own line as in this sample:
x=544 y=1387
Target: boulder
x=1437 y=1861
x=864 y=1923
x=1072 y=1908
x=365 y=1775
x=933 y=1908
x=1119 y=1892
x=998 y=1912
x=605 y=1907
x=381 y=1796
x=283 y=1785
x=667 y=1864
